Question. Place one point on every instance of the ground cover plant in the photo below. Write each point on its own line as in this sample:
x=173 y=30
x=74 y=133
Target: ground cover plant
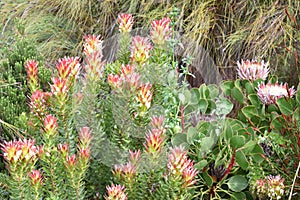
x=133 y=128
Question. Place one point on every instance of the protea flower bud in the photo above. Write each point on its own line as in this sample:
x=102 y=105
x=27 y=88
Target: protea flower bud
x=36 y=178
x=39 y=103
x=20 y=151
x=68 y=67
x=70 y=162
x=59 y=86
x=134 y=156
x=92 y=44
x=145 y=96
x=127 y=69
x=155 y=140
x=140 y=51
x=269 y=93
x=64 y=149
x=93 y=52
x=114 y=81
x=32 y=74
x=125 y=22
x=252 y=70
x=50 y=125
x=116 y=192
x=161 y=31
x=157 y=122
x=180 y=166
x=85 y=137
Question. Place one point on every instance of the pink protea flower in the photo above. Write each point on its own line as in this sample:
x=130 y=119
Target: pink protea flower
x=157 y=122
x=130 y=82
x=127 y=69
x=114 y=80
x=134 y=156
x=93 y=47
x=140 y=51
x=161 y=31
x=92 y=44
x=32 y=74
x=68 y=67
x=155 y=140
x=39 y=103
x=145 y=95
x=85 y=137
x=84 y=156
x=180 y=166
x=50 y=125
x=116 y=192
x=126 y=172
x=20 y=151
x=71 y=162
x=275 y=187
x=252 y=70
x=59 y=86
x=63 y=149
x=269 y=93
x=125 y=22
x=36 y=177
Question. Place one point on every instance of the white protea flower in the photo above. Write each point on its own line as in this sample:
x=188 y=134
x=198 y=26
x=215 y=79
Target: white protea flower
x=252 y=70
x=269 y=93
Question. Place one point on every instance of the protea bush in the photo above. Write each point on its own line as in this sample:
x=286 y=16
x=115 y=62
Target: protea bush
x=132 y=129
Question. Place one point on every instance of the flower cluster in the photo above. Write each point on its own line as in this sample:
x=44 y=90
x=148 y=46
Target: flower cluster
x=271 y=186
x=93 y=47
x=180 y=166
x=161 y=31
x=144 y=96
x=116 y=192
x=140 y=50
x=36 y=178
x=252 y=70
x=125 y=22
x=127 y=172
x=39 y=103
x=269 y=93
x=31 y=67
x=20 y=150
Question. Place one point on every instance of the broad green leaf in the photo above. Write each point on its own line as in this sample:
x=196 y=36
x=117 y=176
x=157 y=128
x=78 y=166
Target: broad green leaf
x=253 y=98
x=228 y=132
x=249 y=146
x=223 y=106
x=203 y=105
x=185 y=96
x=284 y=106
x=278 y=123
x=237 y=141
x=179 y=139
x=298 y=94
x=211 y=105
x=272 y=108
x=190 y=108
x=213 y=91
x=200 y=165
x=237 y=183
x=226 y=87
x=250 y=111
x=203 y=91
x=206 y=144
x=249 y=87
x=191 y=134
x=237 y=95
x=241 y=160
x=195 y=96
